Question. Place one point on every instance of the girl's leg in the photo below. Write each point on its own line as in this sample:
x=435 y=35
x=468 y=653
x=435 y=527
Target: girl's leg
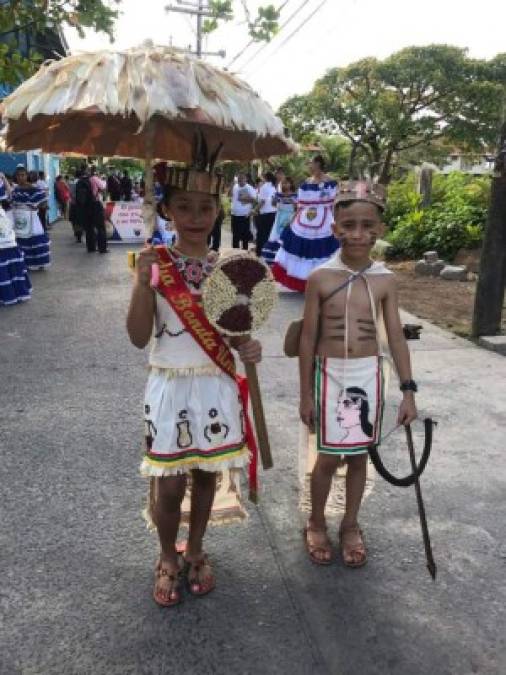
x=203 y=490
x=167 y=514
x=200 y=573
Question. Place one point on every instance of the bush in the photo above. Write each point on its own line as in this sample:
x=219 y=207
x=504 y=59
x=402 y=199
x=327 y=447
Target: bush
x=454 y=220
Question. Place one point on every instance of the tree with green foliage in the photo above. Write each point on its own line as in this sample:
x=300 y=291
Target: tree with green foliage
x=21 y=17
x=410 y=100
x=261 y=27
x=335 y=150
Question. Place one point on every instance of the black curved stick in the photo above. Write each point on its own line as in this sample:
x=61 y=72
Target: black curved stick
x=431 y=565
x=416 y=472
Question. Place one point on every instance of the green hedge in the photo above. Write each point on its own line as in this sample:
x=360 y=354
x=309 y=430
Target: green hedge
x=454 y=220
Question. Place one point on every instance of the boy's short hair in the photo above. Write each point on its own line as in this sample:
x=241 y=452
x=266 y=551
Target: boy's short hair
x=350 y=202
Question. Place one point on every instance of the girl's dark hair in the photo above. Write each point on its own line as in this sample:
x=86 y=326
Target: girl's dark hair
x=58 y=177
x=291 y=183
x=359 y=395
x=320 y=161
x=169 y=191
x=270 y=177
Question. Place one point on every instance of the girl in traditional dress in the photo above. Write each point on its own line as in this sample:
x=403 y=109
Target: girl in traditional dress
x=286 y=201
x=308 y=242
x=193 y=417
x=15 y=283
x=5 y=192
x=26 y=200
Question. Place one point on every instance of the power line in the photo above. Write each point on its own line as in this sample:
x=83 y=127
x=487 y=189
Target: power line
x=292 y=34
x=252 y=42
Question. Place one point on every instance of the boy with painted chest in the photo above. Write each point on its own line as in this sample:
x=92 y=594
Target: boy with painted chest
x=341 y=365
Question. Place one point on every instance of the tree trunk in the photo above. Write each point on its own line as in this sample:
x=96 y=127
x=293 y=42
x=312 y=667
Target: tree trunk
x=385 y=176
x=351 y=163
x=490 y=289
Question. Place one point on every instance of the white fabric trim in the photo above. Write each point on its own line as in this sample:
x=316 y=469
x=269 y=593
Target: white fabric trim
x=12 y=260
x=300 y=268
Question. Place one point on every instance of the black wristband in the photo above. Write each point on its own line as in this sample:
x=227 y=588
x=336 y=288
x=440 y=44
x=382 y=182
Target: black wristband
x=409 y=385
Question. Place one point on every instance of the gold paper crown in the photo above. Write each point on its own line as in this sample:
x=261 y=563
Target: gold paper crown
x=200 y=175
x=362 y=191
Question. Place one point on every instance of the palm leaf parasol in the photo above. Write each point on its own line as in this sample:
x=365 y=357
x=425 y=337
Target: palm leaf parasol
x=115 y=102
x=144 y=102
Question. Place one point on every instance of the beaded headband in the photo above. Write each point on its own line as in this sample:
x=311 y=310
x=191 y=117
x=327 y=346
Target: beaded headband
x=362 y=191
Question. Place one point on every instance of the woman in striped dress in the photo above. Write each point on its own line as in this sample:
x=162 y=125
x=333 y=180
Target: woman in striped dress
x=26 y=199
x=15 y=283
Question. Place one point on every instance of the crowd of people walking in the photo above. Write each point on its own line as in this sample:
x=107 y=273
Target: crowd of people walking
x=24 y=224
x=289 y=228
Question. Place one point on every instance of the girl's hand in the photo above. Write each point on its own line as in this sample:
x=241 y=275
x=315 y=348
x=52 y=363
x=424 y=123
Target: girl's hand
x=407 y=411
x=250 y=351
x=147 y=257
x=307 y=413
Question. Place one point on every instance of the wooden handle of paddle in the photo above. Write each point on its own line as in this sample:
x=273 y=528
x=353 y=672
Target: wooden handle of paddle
x=258 y=415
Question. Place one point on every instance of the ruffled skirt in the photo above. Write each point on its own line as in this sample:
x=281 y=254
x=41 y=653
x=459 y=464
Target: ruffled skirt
x=36 y=251
x=302 y=250
x=15 y=285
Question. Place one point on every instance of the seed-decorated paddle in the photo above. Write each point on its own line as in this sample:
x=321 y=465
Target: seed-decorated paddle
x=238 y=297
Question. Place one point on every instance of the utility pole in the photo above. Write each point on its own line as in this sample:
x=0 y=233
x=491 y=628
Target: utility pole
x=200 y=9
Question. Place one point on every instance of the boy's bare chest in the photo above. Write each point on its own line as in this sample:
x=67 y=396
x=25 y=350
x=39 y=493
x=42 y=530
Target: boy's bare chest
x=353 y=303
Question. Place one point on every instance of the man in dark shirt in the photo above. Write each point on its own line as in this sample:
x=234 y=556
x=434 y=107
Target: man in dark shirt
x=126 y=187
x=113 y=186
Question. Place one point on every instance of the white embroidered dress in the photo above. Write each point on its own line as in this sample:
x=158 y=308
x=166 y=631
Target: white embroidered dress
x=193 y=415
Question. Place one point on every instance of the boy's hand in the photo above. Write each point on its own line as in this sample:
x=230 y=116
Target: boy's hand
x=307 y=413
x=407 y=410
x=250 y=351
x=147 y=257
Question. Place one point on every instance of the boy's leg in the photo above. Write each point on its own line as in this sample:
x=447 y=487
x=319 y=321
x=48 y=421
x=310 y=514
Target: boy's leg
x=321 y=480
x=236 y=242
x=200 y=574
x=356 y=475
x=351 y=539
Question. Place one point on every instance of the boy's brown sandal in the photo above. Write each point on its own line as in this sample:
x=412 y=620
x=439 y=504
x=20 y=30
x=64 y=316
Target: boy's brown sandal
x=354 y=555
x=320 y=554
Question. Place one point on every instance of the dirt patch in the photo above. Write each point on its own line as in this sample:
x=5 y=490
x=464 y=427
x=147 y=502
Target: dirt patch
x=448 y=304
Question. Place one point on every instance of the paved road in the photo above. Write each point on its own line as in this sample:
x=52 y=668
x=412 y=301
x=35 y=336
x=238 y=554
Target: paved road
x=76 y=560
